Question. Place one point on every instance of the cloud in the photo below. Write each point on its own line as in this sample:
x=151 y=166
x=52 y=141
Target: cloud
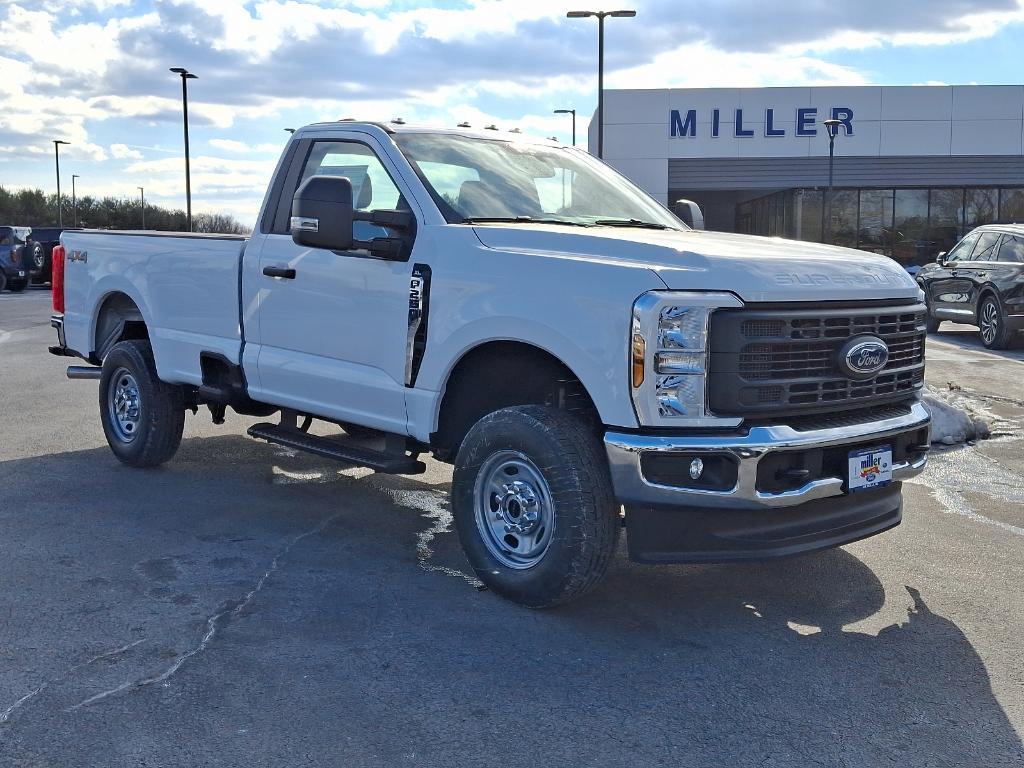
x=124 y=152
x=240 y=147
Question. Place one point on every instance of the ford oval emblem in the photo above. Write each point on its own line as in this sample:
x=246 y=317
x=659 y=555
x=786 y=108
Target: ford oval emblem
x=863 y=357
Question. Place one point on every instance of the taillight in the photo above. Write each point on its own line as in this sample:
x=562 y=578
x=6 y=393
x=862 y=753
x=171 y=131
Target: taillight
x=57 y=278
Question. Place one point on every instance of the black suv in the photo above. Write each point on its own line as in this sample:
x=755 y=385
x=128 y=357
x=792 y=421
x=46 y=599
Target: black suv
x=14 y=269
x=40 y=252
x=980 y=282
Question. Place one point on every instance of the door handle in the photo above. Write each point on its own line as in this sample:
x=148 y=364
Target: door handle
x=285 y=272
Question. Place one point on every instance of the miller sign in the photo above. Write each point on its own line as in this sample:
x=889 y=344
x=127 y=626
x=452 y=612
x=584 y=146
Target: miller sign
x=684 y=123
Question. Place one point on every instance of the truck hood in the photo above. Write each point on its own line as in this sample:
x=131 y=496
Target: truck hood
x=754 y=268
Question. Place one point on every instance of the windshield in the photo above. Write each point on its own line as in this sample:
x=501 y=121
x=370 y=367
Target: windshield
x=474 y=179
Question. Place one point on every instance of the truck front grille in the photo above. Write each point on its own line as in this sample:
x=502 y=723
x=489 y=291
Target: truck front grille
x=786 y=361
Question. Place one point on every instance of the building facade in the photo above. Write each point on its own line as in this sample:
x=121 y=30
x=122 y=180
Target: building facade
x=915 y=166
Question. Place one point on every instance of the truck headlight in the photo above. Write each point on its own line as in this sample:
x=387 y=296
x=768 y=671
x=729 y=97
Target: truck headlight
x=670 y=342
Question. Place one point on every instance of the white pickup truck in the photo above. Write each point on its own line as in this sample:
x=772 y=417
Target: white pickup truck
x=519 y=309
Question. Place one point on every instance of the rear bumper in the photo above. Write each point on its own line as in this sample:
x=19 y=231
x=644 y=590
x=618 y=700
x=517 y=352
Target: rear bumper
x=757 y=514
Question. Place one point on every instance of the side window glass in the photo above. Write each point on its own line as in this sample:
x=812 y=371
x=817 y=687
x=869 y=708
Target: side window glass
x=985 y=250
x=963 y=249
x=372 y=187
x=1012 y=249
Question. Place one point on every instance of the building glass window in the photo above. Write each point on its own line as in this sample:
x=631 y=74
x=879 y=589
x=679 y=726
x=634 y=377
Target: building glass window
x=843 y=227
x=875 y=228
x=807 y=215
x=945 y=217
x=911 y=246
x=1011 y=206
x=981 y=206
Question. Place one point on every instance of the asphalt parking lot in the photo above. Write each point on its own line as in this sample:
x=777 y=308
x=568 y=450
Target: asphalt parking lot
x=248 y=606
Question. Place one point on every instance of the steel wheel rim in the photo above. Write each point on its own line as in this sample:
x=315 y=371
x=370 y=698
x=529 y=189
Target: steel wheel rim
x=514 y=511
x=124 y=404
x=989 y=322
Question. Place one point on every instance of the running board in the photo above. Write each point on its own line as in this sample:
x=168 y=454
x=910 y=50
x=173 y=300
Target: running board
x=379 y=461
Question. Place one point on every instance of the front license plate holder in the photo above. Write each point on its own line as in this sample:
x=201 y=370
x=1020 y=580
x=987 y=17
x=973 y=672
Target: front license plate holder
x=869 y=468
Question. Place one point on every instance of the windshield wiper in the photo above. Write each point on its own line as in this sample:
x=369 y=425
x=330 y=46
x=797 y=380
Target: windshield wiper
x=520 y=220
x=629 y=223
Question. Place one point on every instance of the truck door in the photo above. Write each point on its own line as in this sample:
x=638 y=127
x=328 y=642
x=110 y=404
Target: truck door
x=333 y=326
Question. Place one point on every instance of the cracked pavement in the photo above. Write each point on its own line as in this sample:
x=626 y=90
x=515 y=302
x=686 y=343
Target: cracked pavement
x=248 y=606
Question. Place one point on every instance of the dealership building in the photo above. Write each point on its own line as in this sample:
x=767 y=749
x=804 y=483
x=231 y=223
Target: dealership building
x=915 y=166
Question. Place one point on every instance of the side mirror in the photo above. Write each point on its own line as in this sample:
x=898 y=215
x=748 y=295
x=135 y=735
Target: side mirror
x=322 y=213
x=941 y=259
x=689 y=213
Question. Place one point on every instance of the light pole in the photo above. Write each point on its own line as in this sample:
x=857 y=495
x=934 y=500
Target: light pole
x=832 y=126
x=143 y=193
x=573 y=113
x=74 y=200
x=600 y=15
x=56 y=157
x=185 y=77
x=290 y=130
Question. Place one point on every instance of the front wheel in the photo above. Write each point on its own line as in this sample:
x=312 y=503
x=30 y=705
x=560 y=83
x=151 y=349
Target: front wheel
x=533 y=505
x=143 y=417
x=994 y=331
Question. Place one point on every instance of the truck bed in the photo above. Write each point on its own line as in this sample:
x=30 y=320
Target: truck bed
x=186 y=286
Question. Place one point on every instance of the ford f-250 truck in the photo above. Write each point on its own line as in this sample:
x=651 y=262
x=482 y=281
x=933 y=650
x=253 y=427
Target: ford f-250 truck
x=521 y=310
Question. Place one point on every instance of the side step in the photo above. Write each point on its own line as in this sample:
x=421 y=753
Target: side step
x=379 y=461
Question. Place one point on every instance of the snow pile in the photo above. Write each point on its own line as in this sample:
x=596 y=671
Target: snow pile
x=954 y=420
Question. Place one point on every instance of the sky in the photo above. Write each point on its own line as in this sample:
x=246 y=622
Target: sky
x=95 y=72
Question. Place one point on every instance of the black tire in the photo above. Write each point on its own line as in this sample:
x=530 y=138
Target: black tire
x=17 y=286
x=159 y=411
x=931 y=323
x=992 y=324
x=584 y=519
x=3 y=281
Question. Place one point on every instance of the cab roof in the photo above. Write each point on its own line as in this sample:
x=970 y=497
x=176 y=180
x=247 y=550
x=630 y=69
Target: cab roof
x=398 y=128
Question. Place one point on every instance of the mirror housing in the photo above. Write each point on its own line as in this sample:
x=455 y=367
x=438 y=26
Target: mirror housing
x=941 y=259
x=689 y=213
x=322 y=213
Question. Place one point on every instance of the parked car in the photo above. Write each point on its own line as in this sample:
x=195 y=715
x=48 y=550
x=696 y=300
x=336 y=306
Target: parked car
x=980 y=282
x=14 y=269
x=40 y=245
x=526 y=313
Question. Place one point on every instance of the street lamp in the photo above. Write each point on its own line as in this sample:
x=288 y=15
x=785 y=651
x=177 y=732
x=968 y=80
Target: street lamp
x=56 y=156
x=832 y=126
x=143 y=193
x=600 y=16
x=290 y=130
x=74 y=200
x=185 y=77
x=573 y=113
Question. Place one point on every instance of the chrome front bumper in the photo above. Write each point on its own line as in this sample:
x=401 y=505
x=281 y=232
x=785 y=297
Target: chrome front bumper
x=633 y=488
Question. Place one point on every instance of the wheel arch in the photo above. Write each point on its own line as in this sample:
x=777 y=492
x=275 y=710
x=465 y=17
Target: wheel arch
x=118 y=318
x=490 y=376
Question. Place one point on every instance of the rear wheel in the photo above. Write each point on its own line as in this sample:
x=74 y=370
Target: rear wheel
x=3 y=281
x=533 y=505
x=143 y=417
x=994 y=331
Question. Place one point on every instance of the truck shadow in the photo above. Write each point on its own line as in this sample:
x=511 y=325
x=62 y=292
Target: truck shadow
x=684 y=665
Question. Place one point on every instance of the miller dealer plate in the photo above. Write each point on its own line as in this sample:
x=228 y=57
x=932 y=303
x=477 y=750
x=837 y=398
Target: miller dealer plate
x=870 y=468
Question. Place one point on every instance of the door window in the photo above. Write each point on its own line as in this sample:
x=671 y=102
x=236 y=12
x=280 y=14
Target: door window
x=372 y=186
x=1012 y=249
x=963 y=249
x=985 y=250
